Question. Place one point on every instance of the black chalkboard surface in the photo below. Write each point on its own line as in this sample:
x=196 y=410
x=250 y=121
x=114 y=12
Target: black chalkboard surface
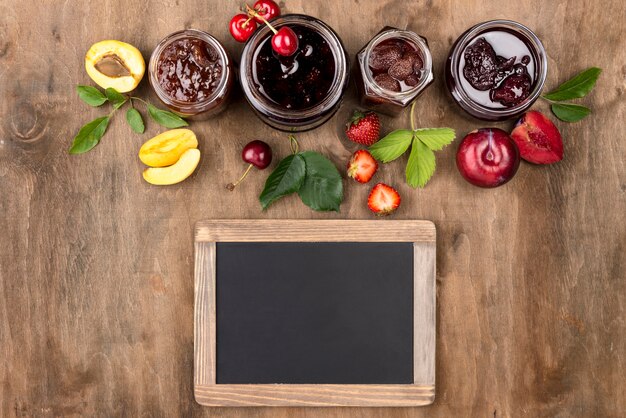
x=314 y=313
x=332 y=312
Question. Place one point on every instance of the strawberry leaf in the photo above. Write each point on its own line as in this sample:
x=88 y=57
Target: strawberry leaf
x=577 y=87
x=322 y=189
x=286 y=178
x=89 y=135
x=392 y=146
x=435 y=138
x=91 y=95
x=421 y=164
x=570 y=112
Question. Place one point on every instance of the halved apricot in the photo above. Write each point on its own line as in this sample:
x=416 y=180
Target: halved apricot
x=176 y=173
x=115 y=64
x=166 y=148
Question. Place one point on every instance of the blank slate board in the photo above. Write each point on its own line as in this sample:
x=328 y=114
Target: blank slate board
x=296 y=313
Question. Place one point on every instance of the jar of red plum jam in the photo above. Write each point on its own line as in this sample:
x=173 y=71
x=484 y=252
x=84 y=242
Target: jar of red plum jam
x=299 y=92
x=496 y=70
x=191 y=73
x=393 y=69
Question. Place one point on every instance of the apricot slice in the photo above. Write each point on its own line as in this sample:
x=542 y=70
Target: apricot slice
x=176 y=173
x=115 y=64
x=166 y=148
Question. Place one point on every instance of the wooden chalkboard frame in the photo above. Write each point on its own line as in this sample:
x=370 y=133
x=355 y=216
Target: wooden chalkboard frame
x=421 y=392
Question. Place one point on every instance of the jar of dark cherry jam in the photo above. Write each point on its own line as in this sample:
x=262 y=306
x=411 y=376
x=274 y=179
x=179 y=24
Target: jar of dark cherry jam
x=393 y=69
x=191 y=73
x=299 y=92
x=496 y=70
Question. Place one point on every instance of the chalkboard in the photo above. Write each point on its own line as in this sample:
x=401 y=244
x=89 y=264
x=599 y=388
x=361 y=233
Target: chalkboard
x=330 y=312
x=292 y=313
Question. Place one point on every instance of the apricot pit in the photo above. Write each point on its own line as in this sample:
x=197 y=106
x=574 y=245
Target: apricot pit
x=115 y=64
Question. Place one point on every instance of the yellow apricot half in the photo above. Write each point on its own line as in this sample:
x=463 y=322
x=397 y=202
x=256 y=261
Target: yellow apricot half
x=176 y=173
x=166 y=148
x=115 y=64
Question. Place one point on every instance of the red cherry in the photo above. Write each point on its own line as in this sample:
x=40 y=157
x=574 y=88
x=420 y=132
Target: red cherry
x=257 y=154
x=267 y=9
x=285 y=42
x=241 y=28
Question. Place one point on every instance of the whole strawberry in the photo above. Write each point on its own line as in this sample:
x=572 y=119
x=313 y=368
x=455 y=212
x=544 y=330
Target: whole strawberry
x=363 y=128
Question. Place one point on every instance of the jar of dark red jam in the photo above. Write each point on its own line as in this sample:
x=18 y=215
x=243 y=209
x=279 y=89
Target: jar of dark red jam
x=191 y=73
x=393 y=69
x=299 y=92
x=496 y=70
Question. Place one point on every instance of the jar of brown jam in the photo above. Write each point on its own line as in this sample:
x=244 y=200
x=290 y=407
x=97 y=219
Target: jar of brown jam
x=191 y=73
x=392 y=70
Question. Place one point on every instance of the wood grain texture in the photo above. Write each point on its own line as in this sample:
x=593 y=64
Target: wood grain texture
x=262 y=230
x=314 y=395
x=96 y=266
x=204 y=315
x=424 y=313
x=206 y=390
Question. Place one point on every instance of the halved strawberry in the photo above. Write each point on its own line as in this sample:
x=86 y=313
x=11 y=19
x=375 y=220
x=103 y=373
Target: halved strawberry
x=362 y=166
x=363 y=128
x=383 y=199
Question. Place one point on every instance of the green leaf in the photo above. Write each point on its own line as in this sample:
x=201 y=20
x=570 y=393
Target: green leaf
x=576 y=87
x=91 y=95
x=435 y=138
x=116 y=98
x=286 y=178
x=421 y=164
x=570 y=112
x=89 y=135
x=165 y=118
x=392 y=146
x=322 y=189
x=134 y=119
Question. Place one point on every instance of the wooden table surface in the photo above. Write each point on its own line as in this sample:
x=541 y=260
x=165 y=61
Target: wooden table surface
x=96 y=283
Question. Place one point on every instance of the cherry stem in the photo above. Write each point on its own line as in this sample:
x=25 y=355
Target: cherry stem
x=293 y=143
x=231 y=186
x=253 y=13
x=412 y=116
x=244 y=24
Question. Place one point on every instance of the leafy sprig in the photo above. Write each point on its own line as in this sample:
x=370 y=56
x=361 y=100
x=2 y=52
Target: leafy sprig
x=91 y=133
x=575 y=88
x=423 y=142
x=313 y=176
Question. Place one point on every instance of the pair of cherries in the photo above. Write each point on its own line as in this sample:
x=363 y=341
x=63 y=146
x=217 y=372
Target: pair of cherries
x=243 y=25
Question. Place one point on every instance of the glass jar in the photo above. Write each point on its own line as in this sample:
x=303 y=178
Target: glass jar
x=300 y=92
x=515 y=46
x=400 y=94
x=210 y=74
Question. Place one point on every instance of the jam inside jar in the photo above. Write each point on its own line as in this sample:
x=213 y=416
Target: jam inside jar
x=393 y=69
x=298 y=81
x=302 y=91
x=496 y=70
x=191 y=73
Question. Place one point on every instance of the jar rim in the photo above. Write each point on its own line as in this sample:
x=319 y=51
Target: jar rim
x=335 y=92
x=406 y=35
x=189 y=107
x=536 y=47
